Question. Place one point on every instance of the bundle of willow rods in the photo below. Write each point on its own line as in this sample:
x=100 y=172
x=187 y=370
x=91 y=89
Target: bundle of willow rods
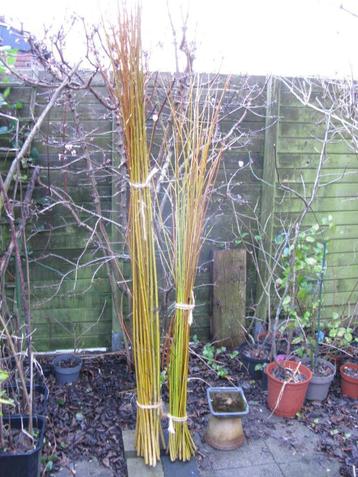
x=126 y=55
x=197 y=155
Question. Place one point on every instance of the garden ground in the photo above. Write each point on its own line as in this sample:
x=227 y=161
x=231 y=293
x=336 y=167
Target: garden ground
x=86 y=421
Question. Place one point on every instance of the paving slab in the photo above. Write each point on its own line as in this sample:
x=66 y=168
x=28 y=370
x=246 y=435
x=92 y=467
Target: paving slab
x=128 y=437
x=266 y=470
x=137 y=468
x=310 y=468
x=179 y=469
x=85 y=468
x=250 y=454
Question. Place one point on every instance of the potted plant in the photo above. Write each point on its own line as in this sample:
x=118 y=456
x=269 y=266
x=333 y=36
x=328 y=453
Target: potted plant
x=304 y=266
x=287 y=386
x=349 y=379
x=323 y=371
x=20 y=450
x=67 y=368
x=339 y=341
x=227 y=405
x=254 y=355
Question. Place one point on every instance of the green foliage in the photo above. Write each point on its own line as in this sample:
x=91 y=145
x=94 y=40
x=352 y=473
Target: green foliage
x=241 y=239
x=210 y=354
x=195 y=340
x=338 y=335
x=300 y=273
x=8 y=55
x=3 y=399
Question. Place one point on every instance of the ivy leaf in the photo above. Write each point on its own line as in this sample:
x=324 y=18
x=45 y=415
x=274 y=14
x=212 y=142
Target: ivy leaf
x=311 y=261
x=6 y=92
x=348 y=336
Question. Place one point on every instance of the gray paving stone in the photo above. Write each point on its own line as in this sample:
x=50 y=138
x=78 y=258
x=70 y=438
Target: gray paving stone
x=137 y=468
x=296 y=435
x=85 y=468
x=252 y=453
x=312 y=467
x=266 y=470
x=129 y=443
x=178 y=468
x=284 y=452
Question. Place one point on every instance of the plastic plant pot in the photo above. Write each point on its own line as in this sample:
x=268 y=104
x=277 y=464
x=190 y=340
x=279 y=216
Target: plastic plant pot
x=38 y=390
x=286 y=399
x=224 y=429
x=349 y=384
x=252 y=364
x=63 y=374
x=319 y=386
x=24 y=464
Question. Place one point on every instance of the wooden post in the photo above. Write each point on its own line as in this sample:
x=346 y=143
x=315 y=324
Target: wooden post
x=229 y=297
x=268 y=199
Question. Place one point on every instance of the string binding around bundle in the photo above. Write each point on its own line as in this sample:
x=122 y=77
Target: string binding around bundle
x=146 y=183
x=187 y=307
x=159 y=406
x=156 y=405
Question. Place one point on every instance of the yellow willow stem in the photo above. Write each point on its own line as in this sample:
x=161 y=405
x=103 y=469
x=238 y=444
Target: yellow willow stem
x=124 y=44
x=196 y=161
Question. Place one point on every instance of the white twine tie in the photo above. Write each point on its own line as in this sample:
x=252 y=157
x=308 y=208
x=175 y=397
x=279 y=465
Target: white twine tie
x=187 y=307
x=157 y=405
x=143 y=185
x=173 y=419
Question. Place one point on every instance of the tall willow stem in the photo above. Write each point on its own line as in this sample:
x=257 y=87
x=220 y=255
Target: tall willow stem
x=126 y=55
x=197 y=156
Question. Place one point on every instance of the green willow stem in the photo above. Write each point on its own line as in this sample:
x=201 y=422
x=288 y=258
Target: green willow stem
x=195 y=165
x=126 y=56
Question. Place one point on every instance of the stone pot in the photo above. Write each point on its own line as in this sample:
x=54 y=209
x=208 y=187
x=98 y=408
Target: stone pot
x=319 y=386
x=224 y=431
x=224 y=434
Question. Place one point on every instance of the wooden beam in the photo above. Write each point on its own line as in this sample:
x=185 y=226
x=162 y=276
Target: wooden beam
x=229 y=297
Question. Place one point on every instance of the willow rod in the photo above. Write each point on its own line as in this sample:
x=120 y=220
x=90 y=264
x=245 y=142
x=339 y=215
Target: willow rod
x=197 y=154
x=126 y=56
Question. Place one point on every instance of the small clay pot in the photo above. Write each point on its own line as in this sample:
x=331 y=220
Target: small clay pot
x=224 y=433
x=319 y=386
x=349 y=384
x=65 y=374
x=286 y=399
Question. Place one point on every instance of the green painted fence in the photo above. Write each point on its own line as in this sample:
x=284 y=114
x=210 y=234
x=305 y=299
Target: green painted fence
x=70 y=291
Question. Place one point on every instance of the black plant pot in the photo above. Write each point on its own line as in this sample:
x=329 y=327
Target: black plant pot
x=38 y=390
x=251 y=364
x=25 y=464
x=67 y=375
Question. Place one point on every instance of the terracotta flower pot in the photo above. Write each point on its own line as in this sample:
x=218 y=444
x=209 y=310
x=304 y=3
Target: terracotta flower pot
x=349 y=384
x=286 y=399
